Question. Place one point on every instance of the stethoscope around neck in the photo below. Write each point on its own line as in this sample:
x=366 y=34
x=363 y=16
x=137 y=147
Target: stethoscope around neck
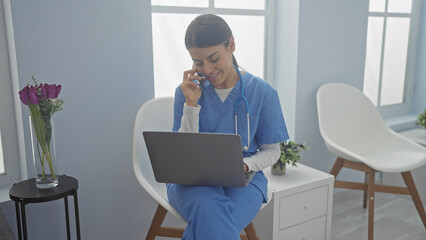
x=243 y=98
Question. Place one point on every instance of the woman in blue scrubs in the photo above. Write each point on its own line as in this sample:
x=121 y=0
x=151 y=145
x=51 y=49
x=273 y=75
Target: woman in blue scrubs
x=222 y=212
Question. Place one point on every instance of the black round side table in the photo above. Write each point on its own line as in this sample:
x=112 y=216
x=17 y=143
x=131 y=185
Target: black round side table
x=26 y=192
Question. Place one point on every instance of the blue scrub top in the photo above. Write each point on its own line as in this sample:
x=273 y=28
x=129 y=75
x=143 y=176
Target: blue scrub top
x=267 y=124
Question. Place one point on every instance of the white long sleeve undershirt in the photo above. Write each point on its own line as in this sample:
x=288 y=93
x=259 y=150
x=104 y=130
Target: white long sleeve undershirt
x=267 y=155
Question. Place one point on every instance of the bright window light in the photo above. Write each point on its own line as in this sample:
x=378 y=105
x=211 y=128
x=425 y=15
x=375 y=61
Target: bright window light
x=240 y=4
x=377 y=5
x=395 y=60
x=181 y=3
x=390 y=50
x=400 y=6
x=171 y=58
x=373 y=58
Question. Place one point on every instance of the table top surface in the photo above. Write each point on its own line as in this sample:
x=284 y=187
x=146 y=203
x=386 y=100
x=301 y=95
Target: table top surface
x=26 y=191
x=296 y=177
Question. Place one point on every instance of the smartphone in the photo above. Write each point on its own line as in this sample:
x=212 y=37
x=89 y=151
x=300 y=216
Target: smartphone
x=200 y=83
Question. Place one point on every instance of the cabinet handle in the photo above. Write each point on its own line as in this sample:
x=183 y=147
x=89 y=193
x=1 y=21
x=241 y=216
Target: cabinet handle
x=304 y=208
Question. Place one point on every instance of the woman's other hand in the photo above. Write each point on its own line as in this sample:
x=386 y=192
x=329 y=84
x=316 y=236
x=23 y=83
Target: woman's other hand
x=245 y=168
x=191 y=90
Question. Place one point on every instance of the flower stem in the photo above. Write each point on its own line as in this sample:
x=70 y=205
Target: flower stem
x=48 y=156
x=42 y=130
x=49 y=162
x=41 y=159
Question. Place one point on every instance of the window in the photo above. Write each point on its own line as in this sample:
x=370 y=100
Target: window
x=9 y=153
x=390 y=54
x=251 y=22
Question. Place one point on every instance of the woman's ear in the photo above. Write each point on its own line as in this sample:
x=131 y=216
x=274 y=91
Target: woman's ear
x=231 y=44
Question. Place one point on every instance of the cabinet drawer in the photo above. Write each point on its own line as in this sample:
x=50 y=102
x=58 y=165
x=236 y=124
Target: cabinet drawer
x=302 y=207
x=311 y=230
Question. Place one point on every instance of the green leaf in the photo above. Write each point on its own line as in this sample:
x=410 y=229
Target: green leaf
x=290 y=151
x=421 y=119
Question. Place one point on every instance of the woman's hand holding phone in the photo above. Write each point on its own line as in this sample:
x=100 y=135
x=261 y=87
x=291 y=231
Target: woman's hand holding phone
x=190 y=89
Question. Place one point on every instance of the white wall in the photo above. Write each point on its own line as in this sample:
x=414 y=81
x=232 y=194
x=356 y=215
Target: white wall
x=286 y=58
x=101 y=53
x=419 y=99
x=323 y=41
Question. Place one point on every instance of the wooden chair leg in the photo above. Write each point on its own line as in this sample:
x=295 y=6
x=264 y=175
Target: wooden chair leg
x=338 y=164
x=364 y=204
x=251 y=232
x=158 y=219
x=243 y=236
x=370 y=191
x=157 y=230
x=408 y=179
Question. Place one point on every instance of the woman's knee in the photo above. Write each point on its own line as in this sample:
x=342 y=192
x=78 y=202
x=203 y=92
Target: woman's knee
x=188 y=193
x=207 y=198
x=201 y=199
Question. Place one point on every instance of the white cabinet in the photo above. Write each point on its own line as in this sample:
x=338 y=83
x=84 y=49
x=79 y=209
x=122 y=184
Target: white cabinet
x=313 y=229
x=300 y=208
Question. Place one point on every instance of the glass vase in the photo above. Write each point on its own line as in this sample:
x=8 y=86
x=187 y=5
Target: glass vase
x=43 y=150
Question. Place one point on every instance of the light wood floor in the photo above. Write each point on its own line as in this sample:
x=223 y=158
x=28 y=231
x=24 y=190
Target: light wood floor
x=396 y=217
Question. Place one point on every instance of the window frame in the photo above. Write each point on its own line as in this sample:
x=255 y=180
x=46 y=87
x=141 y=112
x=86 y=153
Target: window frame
x=268 y=13
x=404 y=107
x=18 y=162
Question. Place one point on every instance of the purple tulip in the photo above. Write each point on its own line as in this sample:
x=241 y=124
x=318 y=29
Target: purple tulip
x=35 y=93
x=52 y=90
x=23 y=95
x=41 y=92
x=33 y=96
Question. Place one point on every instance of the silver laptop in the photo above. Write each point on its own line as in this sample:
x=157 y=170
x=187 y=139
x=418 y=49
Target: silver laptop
x=197 y=158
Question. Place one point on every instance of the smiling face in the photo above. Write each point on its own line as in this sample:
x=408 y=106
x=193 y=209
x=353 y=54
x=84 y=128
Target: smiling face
x=215 y=63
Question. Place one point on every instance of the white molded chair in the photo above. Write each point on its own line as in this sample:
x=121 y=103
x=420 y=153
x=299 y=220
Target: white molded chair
x=157 y=115
x=354 y=131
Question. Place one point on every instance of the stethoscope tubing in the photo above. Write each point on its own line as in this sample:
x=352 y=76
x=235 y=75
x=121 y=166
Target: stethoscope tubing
x=245 y=148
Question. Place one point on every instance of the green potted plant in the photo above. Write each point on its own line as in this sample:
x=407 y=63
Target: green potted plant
x=290 y=151
x=421 y=119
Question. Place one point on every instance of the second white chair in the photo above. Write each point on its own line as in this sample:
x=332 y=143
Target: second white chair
x=354 y=131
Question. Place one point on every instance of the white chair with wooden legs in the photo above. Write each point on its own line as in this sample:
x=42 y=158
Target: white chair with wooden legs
x=157 y=115
x=354 y=131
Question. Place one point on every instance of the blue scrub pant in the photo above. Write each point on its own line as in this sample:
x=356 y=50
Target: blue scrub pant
x=215 y=212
